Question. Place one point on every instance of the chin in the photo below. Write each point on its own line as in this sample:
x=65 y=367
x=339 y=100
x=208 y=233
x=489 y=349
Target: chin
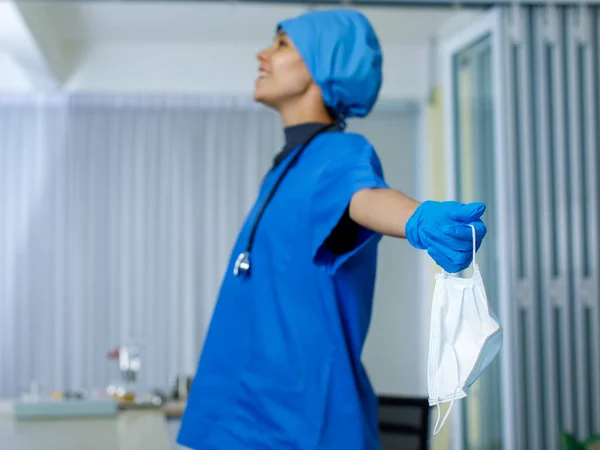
x=259 y=98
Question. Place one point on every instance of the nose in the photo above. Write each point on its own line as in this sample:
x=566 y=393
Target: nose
x=263 y=55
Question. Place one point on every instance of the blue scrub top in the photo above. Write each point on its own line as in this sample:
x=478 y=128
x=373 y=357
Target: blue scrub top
x=281 y=364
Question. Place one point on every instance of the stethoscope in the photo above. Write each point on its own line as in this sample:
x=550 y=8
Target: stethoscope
x=242 y=264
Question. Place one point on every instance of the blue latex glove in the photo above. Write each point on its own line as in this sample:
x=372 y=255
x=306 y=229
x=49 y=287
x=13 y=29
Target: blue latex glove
x=442 y=228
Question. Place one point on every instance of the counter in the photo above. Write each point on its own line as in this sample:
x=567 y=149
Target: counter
x=144 y=429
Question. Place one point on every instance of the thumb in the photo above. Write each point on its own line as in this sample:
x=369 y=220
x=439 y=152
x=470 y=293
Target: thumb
x=467 y=212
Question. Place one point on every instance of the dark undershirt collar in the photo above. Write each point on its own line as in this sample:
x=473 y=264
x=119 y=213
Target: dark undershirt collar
x=345 y=235
x=296 y=135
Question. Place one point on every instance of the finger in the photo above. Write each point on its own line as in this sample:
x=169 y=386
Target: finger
x=464 y=262
x=446 y=263
x=451 y=262
x=468 y=212
x=441 y=260
x=464 y=231
x=443 y=240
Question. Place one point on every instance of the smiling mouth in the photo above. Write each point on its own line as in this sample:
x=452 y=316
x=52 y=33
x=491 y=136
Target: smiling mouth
x=263 y=74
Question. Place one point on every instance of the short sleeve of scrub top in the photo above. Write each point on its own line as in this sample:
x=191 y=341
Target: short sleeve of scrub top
x=352 y=166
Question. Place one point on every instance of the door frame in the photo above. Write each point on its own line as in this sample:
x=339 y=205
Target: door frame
x=489 y=23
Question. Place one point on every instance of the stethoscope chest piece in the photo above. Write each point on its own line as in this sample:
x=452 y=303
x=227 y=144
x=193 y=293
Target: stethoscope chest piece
x=242 y=264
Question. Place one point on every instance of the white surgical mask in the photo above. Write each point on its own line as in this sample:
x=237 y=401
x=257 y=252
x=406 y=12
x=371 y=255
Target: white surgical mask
x=465 y=337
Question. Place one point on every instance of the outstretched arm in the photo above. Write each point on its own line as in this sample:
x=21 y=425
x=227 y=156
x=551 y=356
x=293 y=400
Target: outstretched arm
x=384 y=211
x=441 y=228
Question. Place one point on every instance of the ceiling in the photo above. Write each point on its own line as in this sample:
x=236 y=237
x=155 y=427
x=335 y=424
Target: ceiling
x=51 y=39
x=111 y=22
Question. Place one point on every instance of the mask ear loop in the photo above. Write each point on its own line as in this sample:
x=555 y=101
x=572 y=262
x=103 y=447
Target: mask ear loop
x=474 y=263
x=436 y=428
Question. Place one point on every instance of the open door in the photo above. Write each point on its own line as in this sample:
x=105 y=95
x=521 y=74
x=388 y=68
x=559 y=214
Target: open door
x=476 y=171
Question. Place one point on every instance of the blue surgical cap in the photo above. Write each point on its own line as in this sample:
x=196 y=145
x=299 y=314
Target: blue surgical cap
x=342 y=53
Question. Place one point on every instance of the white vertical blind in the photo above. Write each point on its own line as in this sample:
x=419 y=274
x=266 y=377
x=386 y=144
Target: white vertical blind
x=117 y=216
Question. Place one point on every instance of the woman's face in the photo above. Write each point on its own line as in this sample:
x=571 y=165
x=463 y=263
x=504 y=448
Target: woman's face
x=283 y=76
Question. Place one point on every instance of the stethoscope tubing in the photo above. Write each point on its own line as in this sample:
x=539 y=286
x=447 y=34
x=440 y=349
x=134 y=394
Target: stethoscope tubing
x=242 y=264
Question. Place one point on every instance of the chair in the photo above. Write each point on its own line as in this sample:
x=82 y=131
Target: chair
x=403 y=423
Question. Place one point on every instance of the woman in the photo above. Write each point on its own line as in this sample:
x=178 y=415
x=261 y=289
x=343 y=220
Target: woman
x=280 y=367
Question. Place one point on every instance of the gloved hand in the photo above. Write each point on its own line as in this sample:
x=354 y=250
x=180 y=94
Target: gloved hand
x=443 y=229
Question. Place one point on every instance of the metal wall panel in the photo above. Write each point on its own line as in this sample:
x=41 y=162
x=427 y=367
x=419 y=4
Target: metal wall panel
x=592 y=220
x=553 y=82
x=528 y=423
x=559 y=276
x=579 y=57
x=515 y=417
x=545 y=144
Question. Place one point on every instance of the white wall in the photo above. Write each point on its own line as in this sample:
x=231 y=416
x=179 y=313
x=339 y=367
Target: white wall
x=217 y=67
x=18 y=43
x=12 y=77
x=168 y=46
x=393 y=353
